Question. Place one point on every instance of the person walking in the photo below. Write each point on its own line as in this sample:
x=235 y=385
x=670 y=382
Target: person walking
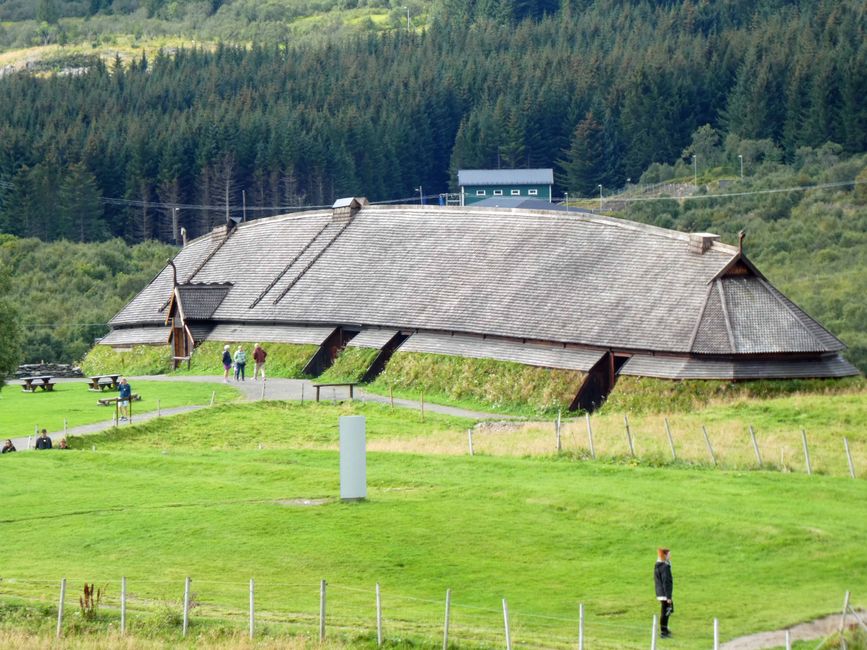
x=259 y=356
x=227 y=363
x=240 y=363
x=43 y=441
x=664 y=583
x=124 y=396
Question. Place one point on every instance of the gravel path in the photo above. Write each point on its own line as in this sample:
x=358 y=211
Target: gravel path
x=809 y=631
x=275 y=389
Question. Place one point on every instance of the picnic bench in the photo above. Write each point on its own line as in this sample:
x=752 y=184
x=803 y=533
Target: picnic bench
x=30 y=384
x=99 y=383
x=348 y=383
x=107 y=401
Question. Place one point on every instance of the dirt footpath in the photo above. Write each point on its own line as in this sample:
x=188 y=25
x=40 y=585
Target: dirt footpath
x=809 y=631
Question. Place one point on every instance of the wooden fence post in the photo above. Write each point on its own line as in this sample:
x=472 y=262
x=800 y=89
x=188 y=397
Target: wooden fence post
x=446 y=624
x=709 y=446
x=252 y=610
x=557 y=429
x=581 y=626
x=470 y=439
x=262 y=396
x=629 y=435
x=60 y=607
x=65 y=428
x=806 y=453
x=378 y=616
x=670 y=439
x=653 y=634
x=322 y=611
x=590 y=436
x=716 y=634
x=849 y=457
x=788 y=640
x=391 y=396
x=506 y=625
x=422 y=406
x=159 y=410
x=302 y=392
x=213 y=397
x=756 y=446
x=123 y=605
x=186 y=605
x=843 y=617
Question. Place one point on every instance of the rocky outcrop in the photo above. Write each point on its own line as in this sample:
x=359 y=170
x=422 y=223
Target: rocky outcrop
x=53 y=369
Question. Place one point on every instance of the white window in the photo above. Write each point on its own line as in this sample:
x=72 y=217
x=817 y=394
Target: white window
x=533 y=192
x=498 y=192
x=516 y=192
x=481 y=192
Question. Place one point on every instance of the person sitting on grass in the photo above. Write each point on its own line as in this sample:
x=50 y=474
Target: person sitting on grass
x=43 y=441
x=125 y=393
x=8 y=447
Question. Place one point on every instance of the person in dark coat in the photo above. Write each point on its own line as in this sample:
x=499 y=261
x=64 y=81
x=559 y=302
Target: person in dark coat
x=43 y=441
x=8 y=447
x=227 y=363
x=664 y=583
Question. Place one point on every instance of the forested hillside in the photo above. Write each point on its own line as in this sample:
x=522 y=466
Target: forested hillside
x=598 y=89
x=605 y=92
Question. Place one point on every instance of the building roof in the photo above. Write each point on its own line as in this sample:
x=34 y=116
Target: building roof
x=553 y=278
x=520 y=203
x=505 y=177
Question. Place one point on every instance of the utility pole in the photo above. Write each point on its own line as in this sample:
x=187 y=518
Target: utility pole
x=566 y=200
x=175 y=224
x=407 y=19
x=600 y=197
x=741 y=158
x=244 y=203
x=420 y=195
x=694 y=171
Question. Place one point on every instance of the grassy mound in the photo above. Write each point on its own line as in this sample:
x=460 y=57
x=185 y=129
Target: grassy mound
x=650 y=395
x=479 y=383
x=284 y=359
x=350 y=365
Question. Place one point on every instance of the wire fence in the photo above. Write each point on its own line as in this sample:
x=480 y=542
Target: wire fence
x=660 y=439
x=265 y=609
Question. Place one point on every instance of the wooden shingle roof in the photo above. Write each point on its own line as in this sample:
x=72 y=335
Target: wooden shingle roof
x=552 y=277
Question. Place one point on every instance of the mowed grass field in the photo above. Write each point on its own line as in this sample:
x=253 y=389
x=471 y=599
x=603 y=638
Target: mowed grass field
x=195 y=495
x=20 y=412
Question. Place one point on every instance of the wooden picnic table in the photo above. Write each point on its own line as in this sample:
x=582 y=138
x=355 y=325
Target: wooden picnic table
x=348 y=383
x=106 y=401
x=30 y=384
x=99 y=383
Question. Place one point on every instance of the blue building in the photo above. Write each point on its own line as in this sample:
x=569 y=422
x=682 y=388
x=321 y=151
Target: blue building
x=480 y=184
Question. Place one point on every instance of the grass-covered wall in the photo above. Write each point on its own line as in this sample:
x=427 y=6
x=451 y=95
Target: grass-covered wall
x=284 y=359
x=479 y=383
x=650 y=395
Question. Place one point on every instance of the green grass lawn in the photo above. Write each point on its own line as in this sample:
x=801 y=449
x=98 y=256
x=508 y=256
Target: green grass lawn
x=20 y=411
x=758 y=550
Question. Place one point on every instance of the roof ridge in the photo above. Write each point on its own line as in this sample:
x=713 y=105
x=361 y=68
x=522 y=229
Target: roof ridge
x=556 y=215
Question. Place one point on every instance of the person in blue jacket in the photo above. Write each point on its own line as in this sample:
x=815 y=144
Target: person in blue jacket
x=125 y=394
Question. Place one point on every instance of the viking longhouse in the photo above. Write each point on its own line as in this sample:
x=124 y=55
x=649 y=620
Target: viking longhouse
x=559 y=290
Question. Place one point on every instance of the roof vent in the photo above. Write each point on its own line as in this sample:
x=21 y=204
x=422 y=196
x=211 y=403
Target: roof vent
x=344 y=209
x=699 y=242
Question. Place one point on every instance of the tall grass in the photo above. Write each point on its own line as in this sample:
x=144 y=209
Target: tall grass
x=482 y=384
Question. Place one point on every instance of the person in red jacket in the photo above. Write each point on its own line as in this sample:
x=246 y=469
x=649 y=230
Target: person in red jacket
x=664 y=583
x=259 y=355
